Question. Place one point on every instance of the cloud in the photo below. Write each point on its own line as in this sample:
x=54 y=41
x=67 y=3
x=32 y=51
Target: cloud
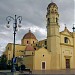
x=33 y=14
x=40 y=33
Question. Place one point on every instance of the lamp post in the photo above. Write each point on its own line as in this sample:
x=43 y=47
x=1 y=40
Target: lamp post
x=9 y=59
x=73 y=28
x=17 y=21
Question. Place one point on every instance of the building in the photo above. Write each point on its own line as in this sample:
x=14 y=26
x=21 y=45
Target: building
x=55 y=52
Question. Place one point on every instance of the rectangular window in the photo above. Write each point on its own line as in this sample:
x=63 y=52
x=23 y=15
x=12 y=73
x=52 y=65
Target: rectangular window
x=8 y=48
x=27 y=42
x=65 y=40
x=45 y=42
x=33 y=42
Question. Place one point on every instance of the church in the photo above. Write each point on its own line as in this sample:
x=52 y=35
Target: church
x=55 y=52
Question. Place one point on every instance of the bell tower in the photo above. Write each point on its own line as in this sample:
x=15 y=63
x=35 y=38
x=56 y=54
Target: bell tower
x=53 y=36
x=52 y=27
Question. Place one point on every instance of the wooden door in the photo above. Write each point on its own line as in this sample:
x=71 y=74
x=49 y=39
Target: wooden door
x=43 y=65
x=67 y=63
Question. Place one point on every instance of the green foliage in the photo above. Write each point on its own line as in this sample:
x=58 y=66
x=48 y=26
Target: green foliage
x=9 y=62
x=3 y=59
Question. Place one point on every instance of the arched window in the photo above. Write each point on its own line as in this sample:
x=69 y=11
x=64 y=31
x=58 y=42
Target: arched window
x=48 y=20
x=8 y=48
x=27 y=42
x=66 y=40
x=33 y=42
x=36 y=44
x=56 y=20
x=34 y=48
x=45 y=42
x=48 y=11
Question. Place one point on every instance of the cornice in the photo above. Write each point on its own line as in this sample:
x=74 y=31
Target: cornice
x=65 y=34
x=66 y=44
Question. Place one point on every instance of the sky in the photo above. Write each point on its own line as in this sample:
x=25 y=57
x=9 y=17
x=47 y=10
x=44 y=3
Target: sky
x=33 y=14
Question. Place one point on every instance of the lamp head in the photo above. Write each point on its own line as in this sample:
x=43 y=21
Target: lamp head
x=19 y=25
x=8 y=26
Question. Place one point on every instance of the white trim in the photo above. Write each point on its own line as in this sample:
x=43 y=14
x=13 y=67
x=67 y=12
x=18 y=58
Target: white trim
x=41 y=65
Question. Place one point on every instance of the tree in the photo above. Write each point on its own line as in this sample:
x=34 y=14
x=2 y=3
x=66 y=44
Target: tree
x=3 y=62
x=3 y=59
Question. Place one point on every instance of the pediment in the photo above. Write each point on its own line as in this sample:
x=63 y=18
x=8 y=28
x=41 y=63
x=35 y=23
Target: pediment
x=42 y=50
x=66 y=32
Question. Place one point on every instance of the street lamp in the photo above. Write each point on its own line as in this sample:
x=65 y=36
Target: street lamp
x=9 y=60
x=17 y=23
x=73 y=28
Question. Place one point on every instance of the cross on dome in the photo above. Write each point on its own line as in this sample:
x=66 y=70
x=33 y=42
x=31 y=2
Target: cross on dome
x=51 y=1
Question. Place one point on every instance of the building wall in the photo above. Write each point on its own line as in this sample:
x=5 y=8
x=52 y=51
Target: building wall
x=8 y=52
x=40 y=44
x=66 y=34
x=29 y=53
x=74 y=50
x=41 y=55
x=28 y=61
x=66 y=53
x=67 y=49
x=30 y=41
x=19 y=50
x=43 y=43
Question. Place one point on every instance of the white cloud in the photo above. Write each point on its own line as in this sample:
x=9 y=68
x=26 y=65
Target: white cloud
x=36 y=28
x=33 y=13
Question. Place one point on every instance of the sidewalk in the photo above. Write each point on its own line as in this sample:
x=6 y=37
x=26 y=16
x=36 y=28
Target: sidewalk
x=49 y=72
x=55 y=72
x=8 y=72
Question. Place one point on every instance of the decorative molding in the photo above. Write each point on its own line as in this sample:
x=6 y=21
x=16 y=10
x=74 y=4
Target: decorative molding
x=66 y=44
x=41 y=65
x=62 y=33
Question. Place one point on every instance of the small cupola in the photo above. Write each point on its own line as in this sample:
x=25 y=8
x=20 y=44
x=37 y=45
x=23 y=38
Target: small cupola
x=29 y=47
x=29 y=50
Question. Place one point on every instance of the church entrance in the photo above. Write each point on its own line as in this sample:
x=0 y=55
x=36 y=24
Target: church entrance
x=67 y=63
x=43 y=65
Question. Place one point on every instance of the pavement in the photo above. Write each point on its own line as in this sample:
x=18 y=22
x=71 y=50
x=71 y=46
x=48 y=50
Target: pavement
x=43 y=72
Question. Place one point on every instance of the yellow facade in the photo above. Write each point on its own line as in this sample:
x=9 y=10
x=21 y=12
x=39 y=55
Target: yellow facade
x=55 y=52
x=42 y=55
x=24 y=41
x=19 y=50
